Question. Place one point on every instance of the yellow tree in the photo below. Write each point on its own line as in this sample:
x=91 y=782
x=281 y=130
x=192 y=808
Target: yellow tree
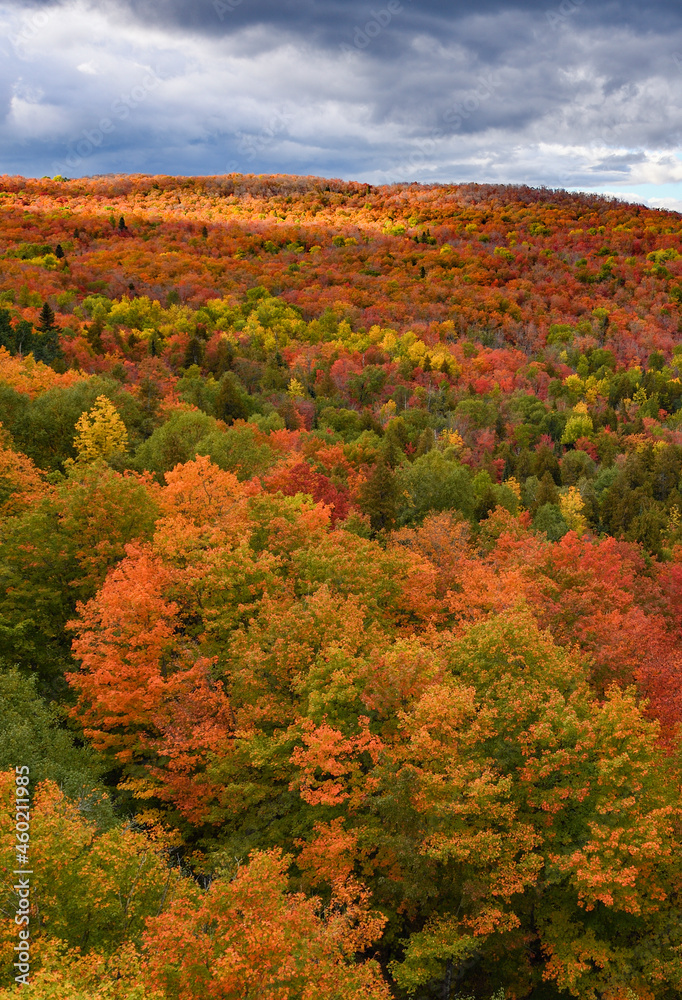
x=572 y=506
x=100 y=433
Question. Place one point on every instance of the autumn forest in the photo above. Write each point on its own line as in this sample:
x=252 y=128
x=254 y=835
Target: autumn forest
x=340 y=590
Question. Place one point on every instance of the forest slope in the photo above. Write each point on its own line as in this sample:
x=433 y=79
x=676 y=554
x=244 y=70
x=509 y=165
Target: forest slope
x=340 y=588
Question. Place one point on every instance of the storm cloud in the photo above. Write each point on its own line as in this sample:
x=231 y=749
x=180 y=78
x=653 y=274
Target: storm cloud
x=573 y=94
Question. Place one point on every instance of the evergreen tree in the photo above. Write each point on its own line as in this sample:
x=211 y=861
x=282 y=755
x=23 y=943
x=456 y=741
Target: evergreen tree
x=46 y=318
x=550 y=520
x=425 y=443
x=46 y=347
x=546 y=461
x=23 y=339
x=6 y=331
x=523 y=467
x=194 y=353
x=93 y=335
x=547 y=492
x=486 y=504
x=231 y=402
x=379 y=498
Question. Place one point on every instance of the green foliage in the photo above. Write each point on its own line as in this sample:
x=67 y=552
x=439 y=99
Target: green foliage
x=347 y=423
x=560 y=333
x=379 y=497
x=240 y=449
x=197 y=390
x=27 y=251
x=31 y=734
x=550 y=520
x=175 y=441
x=577 y=426
x=92 y=887
x=477 y=412
x=58 y=553
x=575 y=465
x=433 y=483
x=232 y=402
x=45 y=428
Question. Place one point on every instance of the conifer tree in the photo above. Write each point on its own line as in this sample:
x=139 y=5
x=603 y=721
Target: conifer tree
x=230 y=404
x=379 y=498
x=547 y=491
x=46 y=318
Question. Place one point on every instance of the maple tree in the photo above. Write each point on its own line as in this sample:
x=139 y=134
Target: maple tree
x=249 y=937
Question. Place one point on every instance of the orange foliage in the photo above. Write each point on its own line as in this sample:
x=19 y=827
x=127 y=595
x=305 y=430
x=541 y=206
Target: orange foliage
x=33 y=377
x=249 y=938
x=22 y=485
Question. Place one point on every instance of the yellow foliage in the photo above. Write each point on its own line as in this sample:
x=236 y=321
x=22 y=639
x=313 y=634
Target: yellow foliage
x=100 y=433
x=572 y=506
x=514 y=485
x=295 y=388
x=389 y=341
x=595 y=387
x=574 y=383
x=417 y=352
x=388 y=411
x=452 y=439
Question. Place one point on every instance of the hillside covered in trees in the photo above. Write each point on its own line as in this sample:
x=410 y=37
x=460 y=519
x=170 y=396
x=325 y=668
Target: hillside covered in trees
x=341 y=590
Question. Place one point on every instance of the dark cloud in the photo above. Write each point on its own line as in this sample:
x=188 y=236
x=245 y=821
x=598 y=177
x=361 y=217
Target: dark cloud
x=545 y=91
x=330 y=21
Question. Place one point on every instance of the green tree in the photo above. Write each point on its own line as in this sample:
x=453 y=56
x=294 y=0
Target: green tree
x=433 y=483
x=58 y=553
x=32 y=735
x=547 y=493
x=232 y=399
x=550 y=520
x=44 y=428
x=576 y=465
x=175 y=441
x=91 y=888
x=241 y=449
x=193 y=388
x=46 y=318
x=379 y=497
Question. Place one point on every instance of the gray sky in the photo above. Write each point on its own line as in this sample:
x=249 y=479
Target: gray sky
x=574 y=93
